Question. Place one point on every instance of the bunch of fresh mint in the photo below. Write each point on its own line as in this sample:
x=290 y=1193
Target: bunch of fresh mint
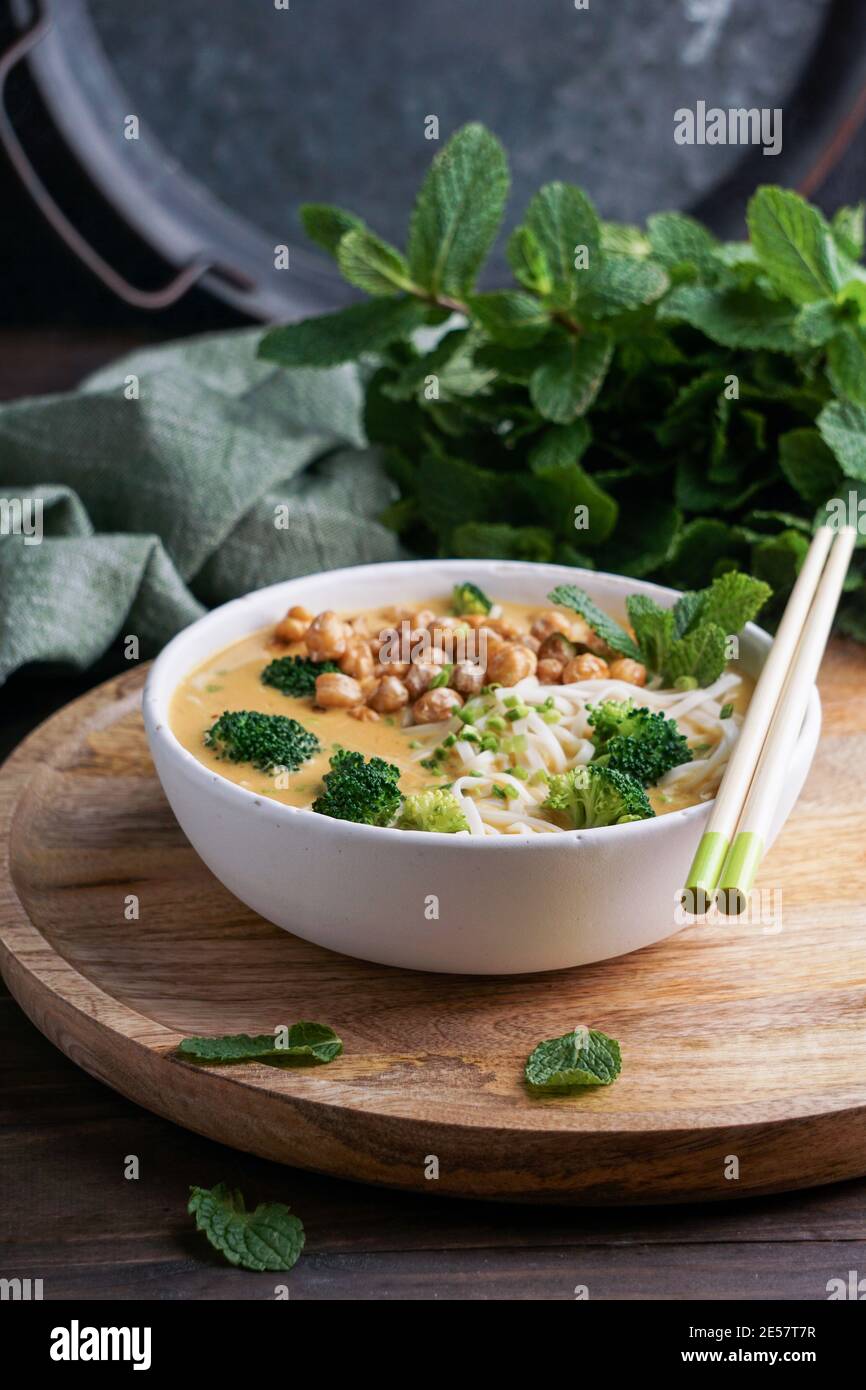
x=654 y=402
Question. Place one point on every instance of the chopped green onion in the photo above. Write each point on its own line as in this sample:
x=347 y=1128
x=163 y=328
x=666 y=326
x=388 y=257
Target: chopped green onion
x=442 y=677
x=551 y=716
x=520 y=773
x=510 y=701
x=496 y=722
x=686 y=683
x=726 y=711
x=490 y=744
x=518 y=712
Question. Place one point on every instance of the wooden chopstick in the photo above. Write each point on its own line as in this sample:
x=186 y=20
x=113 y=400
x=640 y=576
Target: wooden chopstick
x=730 y=798
x=756 y=818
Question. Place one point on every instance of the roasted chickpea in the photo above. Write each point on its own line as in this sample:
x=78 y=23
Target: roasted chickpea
x=336 y=691
x=364 y=714
x=436 y=705
x=511 y=663
x=467 y=678
x=290 y=630
x=624 y=669
x=326 y=636
x=504 y=627
x=419 y=676
x=357 y=659
x=294 y=625
x=526 y=639
x=549 y=671
x=390 y=695
x=585 y=667
x=547 y=622
x=556 y=647
x=391 y=668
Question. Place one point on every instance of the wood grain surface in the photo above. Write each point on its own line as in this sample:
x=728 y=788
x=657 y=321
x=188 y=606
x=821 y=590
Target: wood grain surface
x=737 y=1041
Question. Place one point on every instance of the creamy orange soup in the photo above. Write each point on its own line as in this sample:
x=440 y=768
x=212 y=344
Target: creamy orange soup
x=231 y=680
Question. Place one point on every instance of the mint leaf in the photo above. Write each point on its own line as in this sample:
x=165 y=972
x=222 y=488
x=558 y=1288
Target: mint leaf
x=736 y=318
x=458 y=211
x=330 y=339
x=701 y=654
x=528 y=262
x=778 y=558
x=583 y=1057
x=843 y=429
x=511 y=317
x=570 y=376
x=846 y=364
x=371 y=264
x=677 y=239
x=327 y=225
x=315 y=1040
x=624 y=239
x=732 y=600
x=687 y=611
x=809 y=466
x=849 y=229
x=268 y=1238
x=604 y=626
x=795 y=245
x=557 y=489
x=560 y=219
x=818 y=322
x=488 y=541
x=653 y=628
x=620 y=283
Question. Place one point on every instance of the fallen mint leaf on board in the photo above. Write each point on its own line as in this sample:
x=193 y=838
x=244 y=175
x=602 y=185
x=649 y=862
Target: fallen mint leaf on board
x=580 y=1058
x=314 y=1040
x=268 y=1238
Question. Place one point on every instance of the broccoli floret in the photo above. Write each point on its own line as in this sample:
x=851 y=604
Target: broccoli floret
x=636 y=741
x=295 y=675
x=365 y=792
x=592 y=795
x=268 y=741
x=468 y=598
x=436 y=809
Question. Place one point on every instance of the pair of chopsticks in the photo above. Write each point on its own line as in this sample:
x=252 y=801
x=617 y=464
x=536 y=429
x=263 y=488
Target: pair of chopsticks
x=732 y=846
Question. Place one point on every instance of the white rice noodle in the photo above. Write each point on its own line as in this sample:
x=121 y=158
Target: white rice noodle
x=557 y=747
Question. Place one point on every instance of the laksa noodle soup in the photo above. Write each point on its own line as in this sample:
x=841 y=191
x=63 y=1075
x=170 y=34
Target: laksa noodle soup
x=466 y=716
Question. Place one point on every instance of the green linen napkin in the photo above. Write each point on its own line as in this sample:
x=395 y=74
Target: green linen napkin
x=172 y=480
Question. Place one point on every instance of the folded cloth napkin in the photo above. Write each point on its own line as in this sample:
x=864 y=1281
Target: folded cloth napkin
x=172 y=480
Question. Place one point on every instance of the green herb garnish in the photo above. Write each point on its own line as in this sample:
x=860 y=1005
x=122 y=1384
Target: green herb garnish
x=583 y=1057
x=315 y=1041
x=268 y=1238
x=678 y=406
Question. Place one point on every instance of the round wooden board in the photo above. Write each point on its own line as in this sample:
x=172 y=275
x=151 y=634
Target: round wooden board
x=737 y=1040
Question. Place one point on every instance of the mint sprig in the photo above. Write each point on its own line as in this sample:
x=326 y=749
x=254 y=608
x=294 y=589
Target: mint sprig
x=270 y=1237
x=706 y=400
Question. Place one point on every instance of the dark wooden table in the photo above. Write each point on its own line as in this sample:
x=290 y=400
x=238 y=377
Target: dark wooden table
x=68 y=1215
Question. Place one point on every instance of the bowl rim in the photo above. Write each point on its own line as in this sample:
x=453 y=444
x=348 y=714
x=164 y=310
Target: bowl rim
x=155 y=711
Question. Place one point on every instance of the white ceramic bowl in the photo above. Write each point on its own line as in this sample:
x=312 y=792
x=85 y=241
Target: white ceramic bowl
x=505 y=905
